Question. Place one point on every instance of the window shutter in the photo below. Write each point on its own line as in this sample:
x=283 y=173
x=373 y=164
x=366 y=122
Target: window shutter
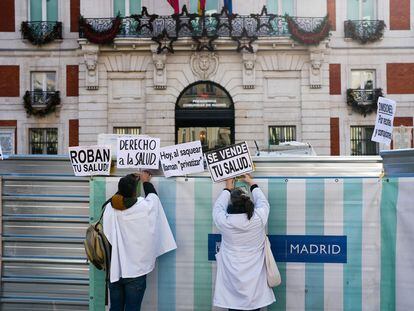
x=7 y=16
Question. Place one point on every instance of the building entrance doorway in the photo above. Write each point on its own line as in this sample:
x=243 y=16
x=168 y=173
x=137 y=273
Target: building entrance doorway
x=205 y=112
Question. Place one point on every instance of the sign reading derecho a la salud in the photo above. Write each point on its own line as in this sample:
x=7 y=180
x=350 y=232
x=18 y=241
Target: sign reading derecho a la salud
x=138 y=152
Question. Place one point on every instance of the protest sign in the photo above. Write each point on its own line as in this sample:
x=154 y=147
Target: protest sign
x=1 y=154
x=91 y=160
x=138 y=152
x=182 y=159
x=228 y=162
x=385 y=119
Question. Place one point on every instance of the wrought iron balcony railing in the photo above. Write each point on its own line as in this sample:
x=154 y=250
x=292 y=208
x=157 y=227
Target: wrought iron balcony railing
x=41 y=103
x=41 y=98
x=363 y=101
x=364 y=31
x=194 y=25
x=363 y=97
x=40 y=33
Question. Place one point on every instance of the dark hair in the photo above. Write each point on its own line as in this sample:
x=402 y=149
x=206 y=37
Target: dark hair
x=240 y=204
x=127 y=186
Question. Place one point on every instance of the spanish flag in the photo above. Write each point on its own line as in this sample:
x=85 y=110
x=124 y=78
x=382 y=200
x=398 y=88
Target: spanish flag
x=201 y=6
x=175 y=5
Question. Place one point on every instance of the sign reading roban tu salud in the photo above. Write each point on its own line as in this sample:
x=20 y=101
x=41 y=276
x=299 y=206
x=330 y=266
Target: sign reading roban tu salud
x=91 y=160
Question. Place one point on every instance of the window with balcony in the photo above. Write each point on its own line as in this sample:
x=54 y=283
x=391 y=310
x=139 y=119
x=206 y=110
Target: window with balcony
x=43 y=141
x=281 y=134
x=281 y=7
x=127 y=7
x=43 y=87
x=363 y=94
x=362 y=24
x=127 y=130
x=363 y=85
x=42 y=26
x=361 y=143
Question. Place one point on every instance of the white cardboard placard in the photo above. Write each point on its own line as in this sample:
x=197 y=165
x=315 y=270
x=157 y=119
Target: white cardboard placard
x=138 y=152
x=90 y=160
x=385 y=119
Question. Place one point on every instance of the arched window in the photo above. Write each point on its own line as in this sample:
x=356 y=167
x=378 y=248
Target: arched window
x=205 y=112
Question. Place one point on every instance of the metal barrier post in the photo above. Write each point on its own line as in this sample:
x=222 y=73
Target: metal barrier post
x=96 y=277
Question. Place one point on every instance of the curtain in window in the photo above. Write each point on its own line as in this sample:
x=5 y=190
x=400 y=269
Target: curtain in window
x=52 y=10
x=119 y=7
x=134 y=7
x=272 y=6
x=287 y=7
x=193 y=6
x=353 y=9
x=35 y=10
x=361 y=9
x=368 y=10
x=212 y=5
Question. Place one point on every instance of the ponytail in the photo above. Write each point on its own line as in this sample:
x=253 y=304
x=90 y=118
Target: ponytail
x=248 y=206
x=240 y=204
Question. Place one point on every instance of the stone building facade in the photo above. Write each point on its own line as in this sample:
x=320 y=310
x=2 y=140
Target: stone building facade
x=275 y=88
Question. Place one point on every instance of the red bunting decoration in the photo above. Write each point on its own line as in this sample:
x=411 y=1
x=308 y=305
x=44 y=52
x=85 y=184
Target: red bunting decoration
x=100 y=37
x=308 y=37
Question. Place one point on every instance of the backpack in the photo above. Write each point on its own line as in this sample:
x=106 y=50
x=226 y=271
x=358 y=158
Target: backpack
x=97 y=247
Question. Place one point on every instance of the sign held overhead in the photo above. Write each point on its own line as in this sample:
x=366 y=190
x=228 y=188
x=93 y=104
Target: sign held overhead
x=138 y=152
x=91 y=160
x=182 y=159
x=228 y=162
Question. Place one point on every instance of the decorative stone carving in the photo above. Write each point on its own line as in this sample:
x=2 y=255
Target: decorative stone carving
x=249 y=70
x=91 y=61
x=160 y=71
x=204 y=65
x=315 y=72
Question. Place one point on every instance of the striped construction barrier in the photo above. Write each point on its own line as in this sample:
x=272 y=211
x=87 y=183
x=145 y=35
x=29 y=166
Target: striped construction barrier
x=375 y=217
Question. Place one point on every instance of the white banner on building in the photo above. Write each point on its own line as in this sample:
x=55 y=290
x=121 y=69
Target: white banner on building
x=228 y=162
x=90 y=160
x=385 y=119
x=138 y=152
x=182 y=159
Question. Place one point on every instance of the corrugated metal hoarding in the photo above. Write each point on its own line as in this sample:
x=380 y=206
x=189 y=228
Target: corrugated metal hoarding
x=44 y=216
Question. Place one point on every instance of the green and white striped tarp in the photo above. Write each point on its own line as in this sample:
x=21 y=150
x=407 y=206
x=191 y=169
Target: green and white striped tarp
x=376 y=216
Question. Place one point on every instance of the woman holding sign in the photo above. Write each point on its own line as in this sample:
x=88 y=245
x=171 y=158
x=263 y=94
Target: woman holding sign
x=241 y=282
x=138 y=232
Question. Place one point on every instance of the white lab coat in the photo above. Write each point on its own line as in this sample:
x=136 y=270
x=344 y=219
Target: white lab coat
x=138 y=235
x=241 y=281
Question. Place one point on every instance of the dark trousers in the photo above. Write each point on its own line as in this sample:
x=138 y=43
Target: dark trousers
x=127 y=294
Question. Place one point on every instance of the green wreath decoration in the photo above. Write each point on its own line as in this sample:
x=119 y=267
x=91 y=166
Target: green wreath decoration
x=366 y=35
x=359 y=107
x=313 y=37
x=33 y=31
x=51 y=105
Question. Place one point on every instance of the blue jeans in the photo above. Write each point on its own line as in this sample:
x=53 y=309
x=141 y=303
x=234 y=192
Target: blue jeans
x=126 y=294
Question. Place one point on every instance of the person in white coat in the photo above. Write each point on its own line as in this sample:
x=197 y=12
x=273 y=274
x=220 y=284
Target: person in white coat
x=241 y=282
x=138 y=232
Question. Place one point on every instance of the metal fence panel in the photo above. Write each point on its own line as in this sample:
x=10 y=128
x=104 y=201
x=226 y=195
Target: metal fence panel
x=45 y=212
